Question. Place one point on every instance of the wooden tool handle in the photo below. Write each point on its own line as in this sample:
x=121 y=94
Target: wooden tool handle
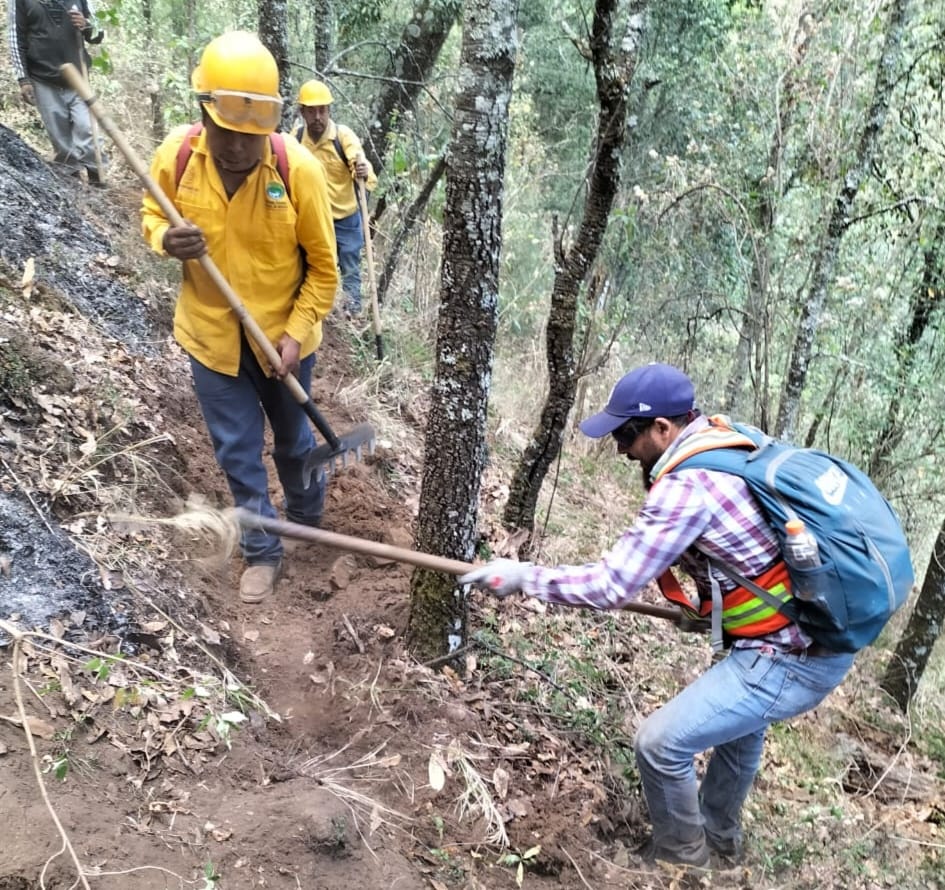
x=80 y=85
x=398 y=554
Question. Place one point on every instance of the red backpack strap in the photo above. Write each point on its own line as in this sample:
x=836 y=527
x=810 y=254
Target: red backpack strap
x=672 y=590
x=185 y=151
x=277 y=141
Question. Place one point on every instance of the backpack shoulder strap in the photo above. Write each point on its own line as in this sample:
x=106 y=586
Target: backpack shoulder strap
x=340 y=150
x=720 y=438
x=276 y=140
x=185 y=151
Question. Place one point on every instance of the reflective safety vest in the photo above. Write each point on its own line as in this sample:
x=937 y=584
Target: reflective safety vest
x=738 y=612
x=742 y=613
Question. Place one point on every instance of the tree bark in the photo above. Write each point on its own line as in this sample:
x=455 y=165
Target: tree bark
x=455 y=452
x=925 y=626
x=614 y=61
x=410 y=66
x=927 y=296
x=274 y=33
x=826 y=260
x=323 y=21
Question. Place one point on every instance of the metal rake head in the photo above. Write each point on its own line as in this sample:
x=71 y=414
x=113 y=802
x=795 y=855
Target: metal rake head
x=325 y=459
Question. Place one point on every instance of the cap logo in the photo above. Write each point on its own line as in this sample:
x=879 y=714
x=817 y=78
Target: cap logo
x=642 y=406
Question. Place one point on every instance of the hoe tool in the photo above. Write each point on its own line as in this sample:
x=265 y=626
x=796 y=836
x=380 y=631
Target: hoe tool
x=336 y=449
x=285 y=529
x=361 y=189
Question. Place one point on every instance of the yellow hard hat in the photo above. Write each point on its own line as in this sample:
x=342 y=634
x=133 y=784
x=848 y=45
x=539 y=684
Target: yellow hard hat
x=237 y=82
x=314 y=92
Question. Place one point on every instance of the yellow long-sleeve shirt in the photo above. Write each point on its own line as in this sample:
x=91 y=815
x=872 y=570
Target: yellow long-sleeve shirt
x=254 y=238
x=340 y=178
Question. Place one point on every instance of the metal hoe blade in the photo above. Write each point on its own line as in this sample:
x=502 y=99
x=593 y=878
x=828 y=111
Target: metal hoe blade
x=324 y=459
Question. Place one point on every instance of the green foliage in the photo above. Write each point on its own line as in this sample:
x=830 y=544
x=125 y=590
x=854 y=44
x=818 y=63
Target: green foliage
x=15 y=379
x=519 y=861
x=101 y=666
x=210 y=877
x=356 y=15
x=935 y=748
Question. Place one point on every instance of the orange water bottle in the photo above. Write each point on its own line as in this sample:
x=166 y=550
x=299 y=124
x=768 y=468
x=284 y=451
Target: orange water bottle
x=800 y=552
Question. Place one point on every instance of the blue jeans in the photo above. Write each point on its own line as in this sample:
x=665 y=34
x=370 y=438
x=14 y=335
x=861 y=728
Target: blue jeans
x=350 y=240
x=728 y=708
x=234 y=409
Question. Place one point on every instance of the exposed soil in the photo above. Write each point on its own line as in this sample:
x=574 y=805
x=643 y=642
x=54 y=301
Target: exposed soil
x=325 y=769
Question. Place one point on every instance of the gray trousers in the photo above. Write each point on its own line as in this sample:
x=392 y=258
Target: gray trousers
x=67 y=122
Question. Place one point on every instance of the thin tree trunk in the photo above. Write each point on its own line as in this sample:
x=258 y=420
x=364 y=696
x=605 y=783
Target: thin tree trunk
x=614 y=62
x=826 y=260
x=154 y=90
x=924 y=300
x=925 y=626
x=455 y=450
x=752 y=339
x=408 y=221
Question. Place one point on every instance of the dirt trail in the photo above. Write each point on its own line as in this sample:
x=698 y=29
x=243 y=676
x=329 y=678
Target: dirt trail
x=323 y=773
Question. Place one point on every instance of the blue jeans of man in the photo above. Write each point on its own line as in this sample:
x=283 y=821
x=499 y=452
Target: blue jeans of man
x=728 y=709
x=350 y=239
x=235 y=411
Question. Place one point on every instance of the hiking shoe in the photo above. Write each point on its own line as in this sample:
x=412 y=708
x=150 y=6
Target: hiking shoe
x=258 y=582
x=725 y=852
x=652 y=852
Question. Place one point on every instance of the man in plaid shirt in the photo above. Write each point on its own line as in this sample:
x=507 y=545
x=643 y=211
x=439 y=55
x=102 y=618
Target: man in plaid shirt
x=773 y=670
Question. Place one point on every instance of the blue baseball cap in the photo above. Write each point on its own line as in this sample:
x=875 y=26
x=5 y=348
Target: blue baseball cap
x=654 y=390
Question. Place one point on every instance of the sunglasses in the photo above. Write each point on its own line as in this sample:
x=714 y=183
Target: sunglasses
x=627 y=434
x=239 y=108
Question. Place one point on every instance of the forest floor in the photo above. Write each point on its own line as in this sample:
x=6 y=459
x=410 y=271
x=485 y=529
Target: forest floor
x=176 y=737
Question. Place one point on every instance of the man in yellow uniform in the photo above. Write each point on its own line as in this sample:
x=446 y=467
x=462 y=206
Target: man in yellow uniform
x=259 y=206
x=342 y=157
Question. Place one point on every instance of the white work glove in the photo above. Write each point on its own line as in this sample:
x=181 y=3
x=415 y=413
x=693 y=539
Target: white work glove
x=501 y=576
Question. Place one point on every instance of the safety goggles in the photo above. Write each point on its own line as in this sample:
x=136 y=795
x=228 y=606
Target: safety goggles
x=237 y=109
x=627 y=434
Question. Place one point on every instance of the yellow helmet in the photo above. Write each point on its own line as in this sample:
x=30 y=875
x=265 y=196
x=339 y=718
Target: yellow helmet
x=314 y=92
x=237 y=82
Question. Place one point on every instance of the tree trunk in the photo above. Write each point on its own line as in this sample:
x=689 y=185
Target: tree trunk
x=925 y=625
x=274 y=33
x=410 y=66
x=614 y=62
x=158 y=130
x=408 y=221
x=455 y=452
x=925 y=299
x=323 y=22
x=826 y=260
x=750 y=361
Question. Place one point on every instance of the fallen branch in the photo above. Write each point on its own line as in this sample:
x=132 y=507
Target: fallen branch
x=353 y=633
x=17 y=636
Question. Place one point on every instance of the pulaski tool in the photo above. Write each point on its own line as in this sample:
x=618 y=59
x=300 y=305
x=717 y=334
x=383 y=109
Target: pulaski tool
x=335 y=449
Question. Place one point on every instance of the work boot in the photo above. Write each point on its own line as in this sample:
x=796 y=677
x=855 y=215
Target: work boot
x=727 y=852
x=352 y=308
x=258 y=582
x=651 y=852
